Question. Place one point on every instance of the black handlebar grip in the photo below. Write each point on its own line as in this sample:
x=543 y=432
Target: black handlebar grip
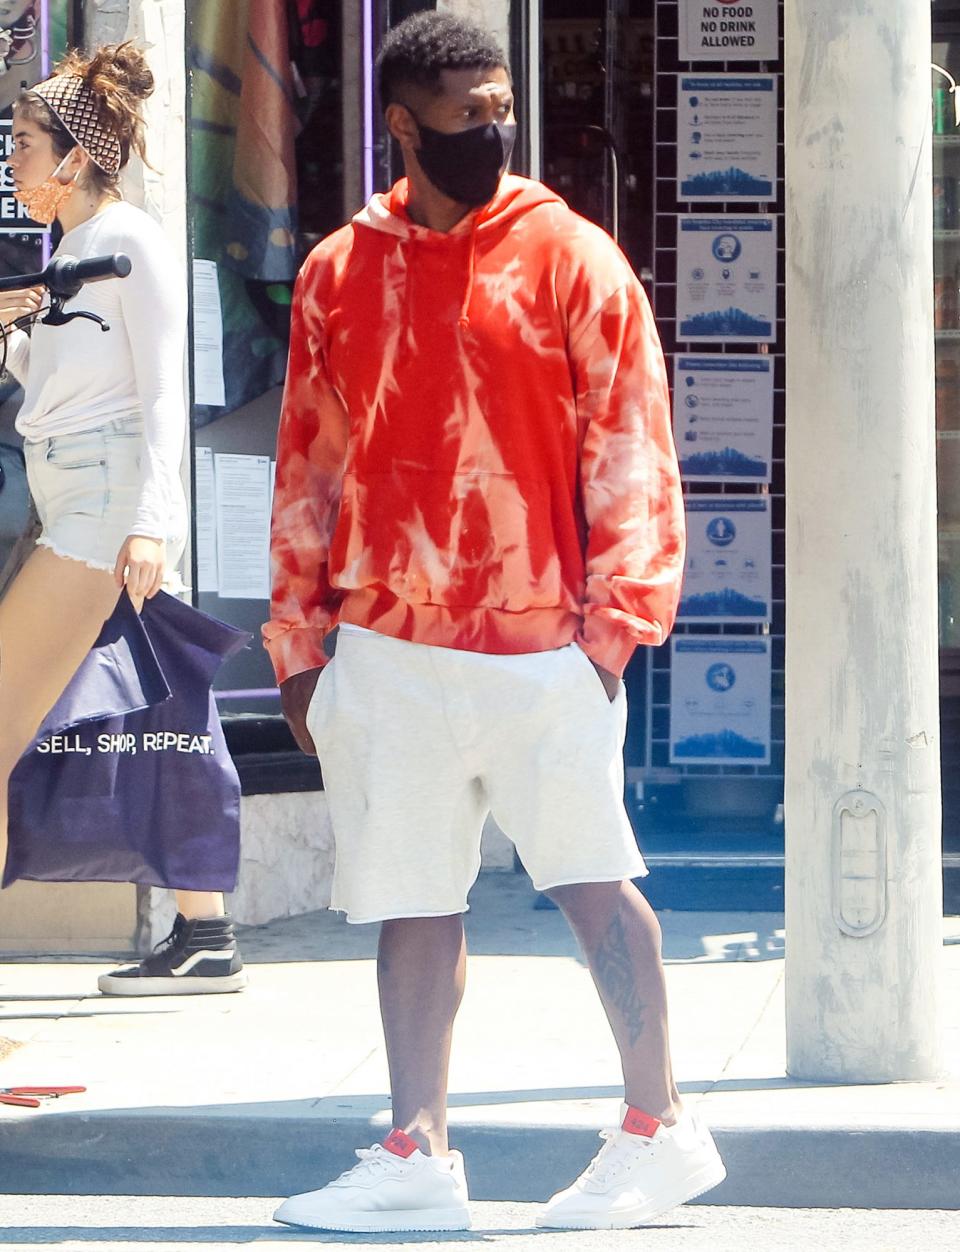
x=96 y=267
x=67 y=271
x=65 y=275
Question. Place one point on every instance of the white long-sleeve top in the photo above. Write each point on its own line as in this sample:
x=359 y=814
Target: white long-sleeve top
x=76 y=377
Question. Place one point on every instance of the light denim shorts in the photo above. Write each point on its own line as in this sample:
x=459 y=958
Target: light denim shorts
x=86 y=488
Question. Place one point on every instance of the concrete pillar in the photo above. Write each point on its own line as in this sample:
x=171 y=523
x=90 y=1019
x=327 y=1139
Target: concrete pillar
x=492 y=15
x=352 y=70
x=863 y=885
x=159 y=28
x=495 y=15
x=105 y=21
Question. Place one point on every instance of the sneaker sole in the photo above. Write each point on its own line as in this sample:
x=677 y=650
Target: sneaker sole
x=112 y=986
x=697 y=1184
x=388 y=1222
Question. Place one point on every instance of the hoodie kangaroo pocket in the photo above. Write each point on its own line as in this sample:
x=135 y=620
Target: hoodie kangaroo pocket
x=454 y=539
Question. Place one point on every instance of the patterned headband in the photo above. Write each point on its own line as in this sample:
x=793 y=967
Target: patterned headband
x=74 y=106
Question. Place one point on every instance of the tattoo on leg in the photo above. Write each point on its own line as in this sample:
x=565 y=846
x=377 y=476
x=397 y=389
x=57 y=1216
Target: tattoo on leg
x=615 y=975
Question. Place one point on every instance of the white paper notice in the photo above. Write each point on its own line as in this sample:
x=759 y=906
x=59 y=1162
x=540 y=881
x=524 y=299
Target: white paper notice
x=723 y=417
x=207 y=335
x=206 y=510
x=243 y=526
x=726 y=279
x=719 y=701
x=727 y=137
x=729 y=30
x=727 y=577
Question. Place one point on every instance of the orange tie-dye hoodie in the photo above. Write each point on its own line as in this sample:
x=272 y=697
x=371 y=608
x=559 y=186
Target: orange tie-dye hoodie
x=475 y=447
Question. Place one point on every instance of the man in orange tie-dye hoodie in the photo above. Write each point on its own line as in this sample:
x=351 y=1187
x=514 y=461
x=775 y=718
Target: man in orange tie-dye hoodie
x=477 y=483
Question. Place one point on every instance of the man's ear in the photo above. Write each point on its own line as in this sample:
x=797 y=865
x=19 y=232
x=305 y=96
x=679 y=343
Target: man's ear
x=402 y=126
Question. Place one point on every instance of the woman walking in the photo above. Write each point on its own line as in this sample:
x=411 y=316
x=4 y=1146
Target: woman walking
x=104 y=424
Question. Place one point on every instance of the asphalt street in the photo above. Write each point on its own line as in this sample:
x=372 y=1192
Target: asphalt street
x=111 y=1223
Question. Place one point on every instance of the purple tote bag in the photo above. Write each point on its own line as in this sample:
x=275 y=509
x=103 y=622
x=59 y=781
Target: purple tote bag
x=129 y=778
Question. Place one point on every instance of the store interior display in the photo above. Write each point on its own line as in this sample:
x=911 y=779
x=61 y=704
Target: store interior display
x=946 y=322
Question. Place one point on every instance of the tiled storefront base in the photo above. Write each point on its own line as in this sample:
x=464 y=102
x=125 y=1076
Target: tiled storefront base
x=42 y=917
x=286 y=865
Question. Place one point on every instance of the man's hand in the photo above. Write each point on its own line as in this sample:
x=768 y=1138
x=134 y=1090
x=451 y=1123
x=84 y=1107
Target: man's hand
x=295 y=696
x=611 y=683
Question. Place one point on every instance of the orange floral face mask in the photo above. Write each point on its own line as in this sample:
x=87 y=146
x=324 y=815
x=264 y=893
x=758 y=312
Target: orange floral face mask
x=45 y=201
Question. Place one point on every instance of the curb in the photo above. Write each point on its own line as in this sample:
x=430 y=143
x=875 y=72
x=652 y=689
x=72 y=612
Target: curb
x=173 y=1152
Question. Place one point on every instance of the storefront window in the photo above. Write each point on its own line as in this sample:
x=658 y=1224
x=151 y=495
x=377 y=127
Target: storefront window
x=270 y=87
x=598 y=115
x=946 y=233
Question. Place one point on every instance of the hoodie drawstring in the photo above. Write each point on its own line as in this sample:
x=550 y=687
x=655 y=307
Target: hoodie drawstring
x=464 y=321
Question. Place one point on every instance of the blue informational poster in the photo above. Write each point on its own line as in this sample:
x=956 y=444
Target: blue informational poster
x=723 y=417
x=727 y=137
x=727 y=576
x=719 y=701
x=726 y=279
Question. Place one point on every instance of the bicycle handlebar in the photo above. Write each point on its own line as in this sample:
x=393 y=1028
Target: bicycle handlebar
x=65 y=275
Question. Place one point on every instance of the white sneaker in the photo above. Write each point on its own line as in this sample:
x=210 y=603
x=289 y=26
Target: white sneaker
x=643 y=1169
x=395 y=1187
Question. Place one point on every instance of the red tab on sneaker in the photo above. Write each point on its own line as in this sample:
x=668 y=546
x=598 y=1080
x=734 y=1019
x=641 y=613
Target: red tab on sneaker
x=400 y=1144
x=637 y=1123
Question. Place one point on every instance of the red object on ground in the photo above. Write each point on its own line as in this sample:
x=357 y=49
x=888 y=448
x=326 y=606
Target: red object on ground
x=30 y=1097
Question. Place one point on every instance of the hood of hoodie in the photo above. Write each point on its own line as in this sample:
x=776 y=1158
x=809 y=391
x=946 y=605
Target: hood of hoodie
x=387 y=212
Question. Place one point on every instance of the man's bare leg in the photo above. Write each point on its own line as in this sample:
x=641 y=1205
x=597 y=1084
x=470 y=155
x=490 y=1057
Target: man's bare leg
x=620 y=937
x=421 y=967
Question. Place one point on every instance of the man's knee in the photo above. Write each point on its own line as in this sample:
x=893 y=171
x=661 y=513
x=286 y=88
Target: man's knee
x=420 y=930
x=584 y=900
x=593 y=908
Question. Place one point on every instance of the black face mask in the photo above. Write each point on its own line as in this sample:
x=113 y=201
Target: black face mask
x=467 y=165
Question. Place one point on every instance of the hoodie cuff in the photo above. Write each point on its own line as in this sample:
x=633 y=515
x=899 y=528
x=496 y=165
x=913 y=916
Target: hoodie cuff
x=293 y=651
x=607 y=643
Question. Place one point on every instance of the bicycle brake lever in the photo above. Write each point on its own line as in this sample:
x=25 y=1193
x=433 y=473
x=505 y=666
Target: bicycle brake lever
x=57 y=317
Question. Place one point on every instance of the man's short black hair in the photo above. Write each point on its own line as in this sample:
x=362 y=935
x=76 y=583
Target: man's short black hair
x=415 y=52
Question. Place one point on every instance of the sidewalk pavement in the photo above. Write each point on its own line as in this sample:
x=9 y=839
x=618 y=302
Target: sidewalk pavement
x=267 y=1092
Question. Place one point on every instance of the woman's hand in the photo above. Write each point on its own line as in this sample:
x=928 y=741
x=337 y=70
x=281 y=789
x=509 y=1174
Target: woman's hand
x=14 y=304
x=140 y=566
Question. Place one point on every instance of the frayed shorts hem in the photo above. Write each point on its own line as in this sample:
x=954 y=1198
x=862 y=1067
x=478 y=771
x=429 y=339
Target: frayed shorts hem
x=45 y=541
x=403 y=914
x=396 y=916
x=580 y=879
